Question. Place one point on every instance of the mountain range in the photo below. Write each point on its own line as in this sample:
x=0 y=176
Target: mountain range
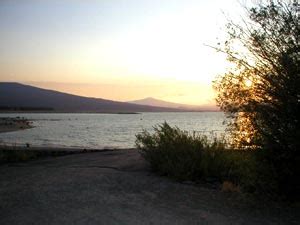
x=20 y=97
x=160 y=103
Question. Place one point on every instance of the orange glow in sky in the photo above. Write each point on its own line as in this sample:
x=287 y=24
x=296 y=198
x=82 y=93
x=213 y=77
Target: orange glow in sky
x=119 y=50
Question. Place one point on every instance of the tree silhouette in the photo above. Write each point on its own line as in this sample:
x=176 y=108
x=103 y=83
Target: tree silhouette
x=261 y=92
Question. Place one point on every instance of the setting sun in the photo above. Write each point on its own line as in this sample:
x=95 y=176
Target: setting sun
x=248 y=83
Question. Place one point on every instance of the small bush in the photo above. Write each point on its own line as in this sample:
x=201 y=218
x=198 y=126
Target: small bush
x=188 y=156
x=185 y=156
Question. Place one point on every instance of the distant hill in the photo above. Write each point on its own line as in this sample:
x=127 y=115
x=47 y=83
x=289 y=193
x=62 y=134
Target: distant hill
x=16 y=96
x=160 y=103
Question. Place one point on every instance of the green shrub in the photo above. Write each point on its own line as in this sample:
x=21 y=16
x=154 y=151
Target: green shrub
x=188 y=156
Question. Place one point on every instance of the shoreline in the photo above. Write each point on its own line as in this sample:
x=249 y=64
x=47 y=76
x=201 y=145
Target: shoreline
x=17 y=154
x=12 y=129
x=60 y=149
x=91 y=112
x=10 y=124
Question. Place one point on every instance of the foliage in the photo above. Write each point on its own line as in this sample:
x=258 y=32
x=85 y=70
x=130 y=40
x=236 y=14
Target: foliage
x=183 y=156
x=261 y=92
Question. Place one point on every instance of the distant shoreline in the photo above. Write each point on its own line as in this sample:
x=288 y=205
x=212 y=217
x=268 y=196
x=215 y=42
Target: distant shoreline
x=51 y=112
x=90 y=112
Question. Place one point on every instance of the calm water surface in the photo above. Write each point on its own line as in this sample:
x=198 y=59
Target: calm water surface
x=104 y=130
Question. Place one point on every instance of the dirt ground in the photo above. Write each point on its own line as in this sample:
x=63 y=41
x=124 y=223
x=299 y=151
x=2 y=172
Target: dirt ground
x=117 y=187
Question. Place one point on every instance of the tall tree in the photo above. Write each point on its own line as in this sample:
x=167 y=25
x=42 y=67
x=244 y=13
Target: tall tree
x=261 y=92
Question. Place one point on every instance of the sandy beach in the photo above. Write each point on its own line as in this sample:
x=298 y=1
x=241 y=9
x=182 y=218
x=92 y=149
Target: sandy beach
x=118 y=187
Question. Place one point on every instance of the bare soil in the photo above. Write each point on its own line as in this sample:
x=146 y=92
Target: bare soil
x=118 y=187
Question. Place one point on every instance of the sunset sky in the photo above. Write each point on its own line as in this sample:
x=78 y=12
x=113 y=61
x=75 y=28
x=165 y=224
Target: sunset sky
x=116 y=49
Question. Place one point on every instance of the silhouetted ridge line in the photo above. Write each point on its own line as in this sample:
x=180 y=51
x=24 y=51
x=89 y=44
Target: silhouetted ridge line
x=160 y=103
x=16 y=95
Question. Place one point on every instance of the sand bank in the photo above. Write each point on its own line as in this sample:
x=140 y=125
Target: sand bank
x=8 y=124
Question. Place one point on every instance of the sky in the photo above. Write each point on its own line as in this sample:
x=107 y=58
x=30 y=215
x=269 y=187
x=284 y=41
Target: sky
x=116 y=49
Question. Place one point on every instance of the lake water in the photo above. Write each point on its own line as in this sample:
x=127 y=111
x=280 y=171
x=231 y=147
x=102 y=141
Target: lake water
x=104 y=130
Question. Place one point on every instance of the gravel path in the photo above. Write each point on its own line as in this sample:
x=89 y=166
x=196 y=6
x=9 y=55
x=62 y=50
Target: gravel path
x=117 y=187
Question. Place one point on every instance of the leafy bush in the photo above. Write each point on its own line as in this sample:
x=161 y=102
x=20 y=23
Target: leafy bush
x=185 y=156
